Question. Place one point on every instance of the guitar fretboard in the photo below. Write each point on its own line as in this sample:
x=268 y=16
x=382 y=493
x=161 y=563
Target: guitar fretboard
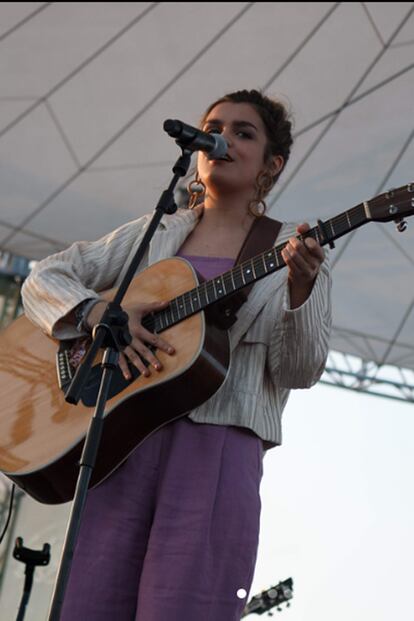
x=248 y=272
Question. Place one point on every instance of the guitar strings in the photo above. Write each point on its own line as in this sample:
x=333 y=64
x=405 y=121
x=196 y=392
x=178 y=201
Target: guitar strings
x=343 y=223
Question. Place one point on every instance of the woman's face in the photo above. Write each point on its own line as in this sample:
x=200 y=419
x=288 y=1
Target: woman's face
x=245 y=134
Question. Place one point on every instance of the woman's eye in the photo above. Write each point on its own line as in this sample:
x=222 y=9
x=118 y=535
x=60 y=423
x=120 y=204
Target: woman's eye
x=244 y=134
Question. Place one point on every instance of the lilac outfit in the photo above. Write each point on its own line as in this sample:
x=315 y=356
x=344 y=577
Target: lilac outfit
x=172 y=534
x=208 y=267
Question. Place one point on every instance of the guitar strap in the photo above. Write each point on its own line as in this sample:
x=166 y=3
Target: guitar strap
x=262 y=235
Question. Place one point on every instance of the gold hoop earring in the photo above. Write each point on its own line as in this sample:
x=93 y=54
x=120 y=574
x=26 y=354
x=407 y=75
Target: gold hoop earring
x=196 y=189
x=264 y=183
x=257 y=208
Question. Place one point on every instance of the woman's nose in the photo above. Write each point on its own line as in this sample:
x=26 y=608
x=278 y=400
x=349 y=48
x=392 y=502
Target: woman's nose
x=227 y=136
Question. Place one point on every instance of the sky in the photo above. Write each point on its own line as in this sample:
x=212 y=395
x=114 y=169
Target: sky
x=338 y=508
x=337 y=514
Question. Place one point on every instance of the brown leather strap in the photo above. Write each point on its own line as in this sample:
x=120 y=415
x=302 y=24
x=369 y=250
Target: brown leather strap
x=261 y=236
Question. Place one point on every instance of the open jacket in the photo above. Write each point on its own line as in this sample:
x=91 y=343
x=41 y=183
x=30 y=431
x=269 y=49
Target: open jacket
x=273 y=348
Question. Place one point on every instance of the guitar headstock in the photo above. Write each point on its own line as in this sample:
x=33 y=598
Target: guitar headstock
x=395 y=205
x=267 y=600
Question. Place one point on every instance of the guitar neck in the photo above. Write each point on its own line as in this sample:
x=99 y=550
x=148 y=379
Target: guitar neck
x=211 y=291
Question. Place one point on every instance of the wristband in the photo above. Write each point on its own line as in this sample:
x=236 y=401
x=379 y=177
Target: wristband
x=82 y=311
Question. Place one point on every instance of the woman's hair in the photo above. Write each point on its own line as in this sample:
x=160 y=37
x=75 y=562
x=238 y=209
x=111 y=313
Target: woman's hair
x=275 y=117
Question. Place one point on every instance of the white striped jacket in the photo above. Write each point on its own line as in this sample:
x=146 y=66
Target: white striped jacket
x=274 y=348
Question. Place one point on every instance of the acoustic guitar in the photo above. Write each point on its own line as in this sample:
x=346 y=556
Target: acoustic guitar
x=41 y=435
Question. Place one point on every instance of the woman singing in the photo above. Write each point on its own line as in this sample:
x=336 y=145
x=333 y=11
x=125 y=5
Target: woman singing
x=172 y=534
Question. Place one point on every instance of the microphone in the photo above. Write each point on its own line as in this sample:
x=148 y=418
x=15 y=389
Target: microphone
x=196 y=140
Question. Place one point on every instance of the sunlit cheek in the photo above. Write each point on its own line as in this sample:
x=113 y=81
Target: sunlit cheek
x=200 y=158
x=203 y=165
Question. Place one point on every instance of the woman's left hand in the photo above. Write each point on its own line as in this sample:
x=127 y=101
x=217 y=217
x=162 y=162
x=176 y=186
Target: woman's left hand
x=303 y=259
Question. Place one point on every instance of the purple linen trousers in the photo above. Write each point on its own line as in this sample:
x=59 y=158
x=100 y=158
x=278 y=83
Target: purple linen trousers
x=172 y=534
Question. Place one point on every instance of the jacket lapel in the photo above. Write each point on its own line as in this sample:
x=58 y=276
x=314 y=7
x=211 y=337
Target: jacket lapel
x=260 y=294
x=172 y=233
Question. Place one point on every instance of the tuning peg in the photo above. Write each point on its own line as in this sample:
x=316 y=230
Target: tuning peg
x=272 y=593
x=401 y=225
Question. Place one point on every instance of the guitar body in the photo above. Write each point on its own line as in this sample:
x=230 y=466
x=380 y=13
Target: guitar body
x=41 y=435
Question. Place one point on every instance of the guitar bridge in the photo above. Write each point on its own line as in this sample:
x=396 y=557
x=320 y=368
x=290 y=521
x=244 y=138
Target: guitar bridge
x=63 y=368
x=68 y=358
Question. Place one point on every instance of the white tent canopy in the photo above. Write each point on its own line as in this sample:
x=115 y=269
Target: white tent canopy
x=85 y=88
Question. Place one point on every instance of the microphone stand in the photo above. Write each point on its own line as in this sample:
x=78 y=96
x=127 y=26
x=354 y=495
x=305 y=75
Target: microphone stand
x=112 y=334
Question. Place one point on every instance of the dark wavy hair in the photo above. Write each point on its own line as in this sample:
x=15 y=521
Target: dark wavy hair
x=276 y=119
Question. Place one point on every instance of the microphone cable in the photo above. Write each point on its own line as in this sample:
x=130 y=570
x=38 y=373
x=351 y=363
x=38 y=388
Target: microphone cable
x=6 y=526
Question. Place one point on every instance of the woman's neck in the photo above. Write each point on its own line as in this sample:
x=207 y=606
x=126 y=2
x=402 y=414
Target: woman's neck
x=220 y=231
x=226 y=212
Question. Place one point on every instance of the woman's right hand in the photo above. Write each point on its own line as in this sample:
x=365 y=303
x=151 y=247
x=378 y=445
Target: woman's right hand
x=138 y=350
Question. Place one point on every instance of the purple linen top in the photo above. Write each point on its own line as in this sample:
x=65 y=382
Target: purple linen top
x=208 y=267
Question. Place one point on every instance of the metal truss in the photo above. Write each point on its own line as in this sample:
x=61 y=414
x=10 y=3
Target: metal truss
x=353 y=373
